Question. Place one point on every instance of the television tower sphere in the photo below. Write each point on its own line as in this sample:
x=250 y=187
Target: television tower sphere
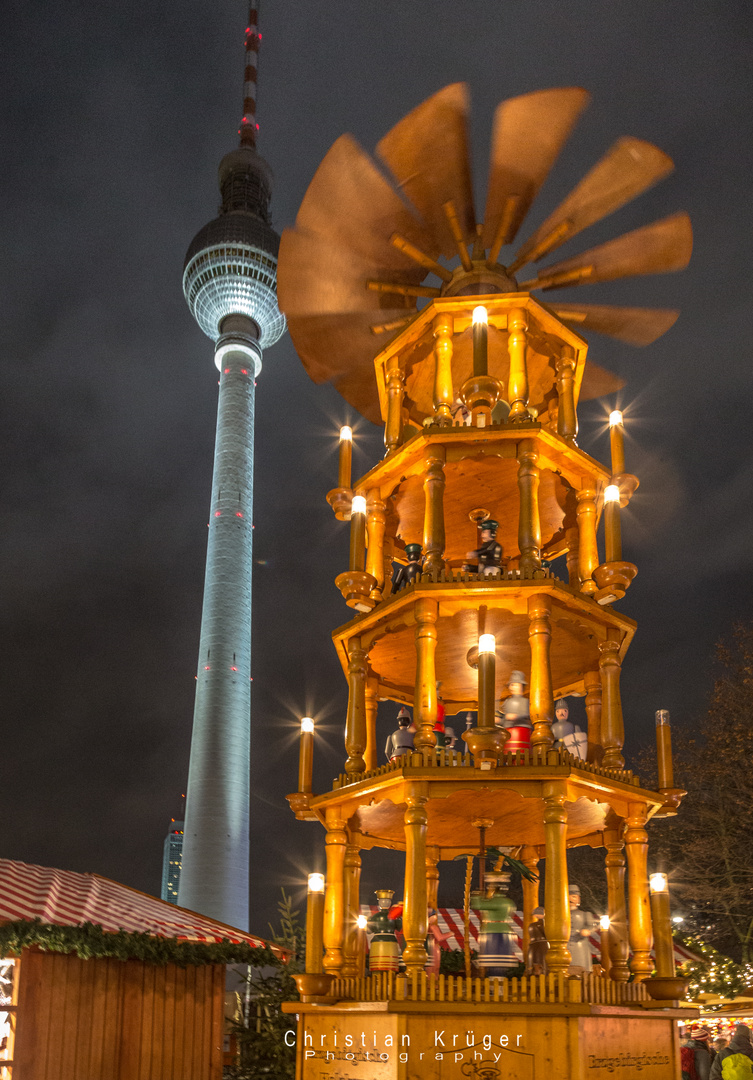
x=231 y=264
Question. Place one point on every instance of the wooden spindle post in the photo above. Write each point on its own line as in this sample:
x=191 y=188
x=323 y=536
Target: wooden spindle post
x=334 y=896
x=612 y=725
x=529 y=525
x=572 y=557
x=588 y=551
x=530 y=858
x=567 y=420
x=639 y=906
x=355 y=722
x=614 y=865
x=425 y=695
x=556 y=902
x=592 y=685
x=434 y=538
x=518 y=381
x=541 y=696
x=432 y=877
x=376 y=517
x=395 y=391
x=415 y=895
x=443 y=392
x=370 y=753
x=351 y=905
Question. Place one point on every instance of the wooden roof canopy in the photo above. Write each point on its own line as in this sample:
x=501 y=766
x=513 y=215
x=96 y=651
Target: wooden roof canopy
x=372 y=239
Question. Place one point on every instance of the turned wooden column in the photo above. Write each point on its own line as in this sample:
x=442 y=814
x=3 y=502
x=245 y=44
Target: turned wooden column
x=529 y=525
x=432 y=877
x=434 y=509
x=518 y=380
x=395 y=391
x=376 y=517
x=334 y=896
x=588 y=551
x=612 y=726
x=639 y=903
x=592 y=684
x=614 y=864
x=556 y=902
x=443 y=392
x=425 y=694
x=541 y=697
x=572 y=557
x=530 y=858
x=351 y=907
x=414 y=897
x=567 y=421
x=370 y=753
x=355 y=721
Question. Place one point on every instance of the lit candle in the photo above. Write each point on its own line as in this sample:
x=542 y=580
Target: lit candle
x=662 y=926
x=487 y=670
x=306 y=755
x=612 y=528
x=346 y=457
x=480 y=340
x=604 y=924
x=664 y=751
x=617 y=442
x=357 y=532
x=315 y=925
x=361 y=923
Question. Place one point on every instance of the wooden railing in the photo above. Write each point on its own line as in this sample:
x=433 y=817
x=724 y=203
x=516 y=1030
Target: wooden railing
x=450 y=759
x=526 y=989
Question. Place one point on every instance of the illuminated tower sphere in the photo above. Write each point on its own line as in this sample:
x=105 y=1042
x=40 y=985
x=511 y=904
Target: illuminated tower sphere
x=229 y=282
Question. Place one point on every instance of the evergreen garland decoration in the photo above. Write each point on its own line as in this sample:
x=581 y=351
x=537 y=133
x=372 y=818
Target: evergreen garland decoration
x=89 y=941
x=715 y=973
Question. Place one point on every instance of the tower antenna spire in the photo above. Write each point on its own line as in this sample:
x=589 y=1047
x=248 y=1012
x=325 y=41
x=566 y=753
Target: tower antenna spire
x=249 y=126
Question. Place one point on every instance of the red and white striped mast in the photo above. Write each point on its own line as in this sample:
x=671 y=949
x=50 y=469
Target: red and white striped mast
x=249 y=126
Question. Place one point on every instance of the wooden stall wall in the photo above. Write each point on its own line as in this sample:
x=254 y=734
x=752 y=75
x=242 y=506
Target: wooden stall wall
x=117 y=1020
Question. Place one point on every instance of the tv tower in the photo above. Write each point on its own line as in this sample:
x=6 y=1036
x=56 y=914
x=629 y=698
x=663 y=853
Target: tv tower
x=230 y=282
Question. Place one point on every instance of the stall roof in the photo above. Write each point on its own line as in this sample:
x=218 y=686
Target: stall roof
x=67 y=898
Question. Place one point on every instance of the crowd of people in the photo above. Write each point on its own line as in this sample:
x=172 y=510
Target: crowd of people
x=704 y=1058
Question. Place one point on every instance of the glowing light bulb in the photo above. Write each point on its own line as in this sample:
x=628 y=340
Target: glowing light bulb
x=307 y=724
x=316 y=882
x=604 y=922
x=615 y=418
x=658 y=883
x=361 y=922
x=480 y=315
x=487 y=643
x=346 y=433
x=359 y=505
x=612 y=494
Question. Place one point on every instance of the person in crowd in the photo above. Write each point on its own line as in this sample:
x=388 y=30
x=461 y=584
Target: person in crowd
x=734 y=1062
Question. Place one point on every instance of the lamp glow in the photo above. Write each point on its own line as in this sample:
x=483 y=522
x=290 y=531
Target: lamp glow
x=361 y=922
x=316 y=883
x=487 y=643
x=480 y=315
x=677 y=919
x=307 y=724
x=359 y=504
x=345 y=460
x=658 y=883
x=611 y=494
x=604 y=922
x=346 y=434
x=615 y=418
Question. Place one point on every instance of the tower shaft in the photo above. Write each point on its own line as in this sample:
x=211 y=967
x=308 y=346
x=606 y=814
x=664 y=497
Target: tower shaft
x=214 y=879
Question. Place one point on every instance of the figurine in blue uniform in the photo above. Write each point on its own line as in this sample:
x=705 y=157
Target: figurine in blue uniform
x=407 y=574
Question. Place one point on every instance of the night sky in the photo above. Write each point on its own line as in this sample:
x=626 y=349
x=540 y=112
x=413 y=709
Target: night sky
x=115 y=119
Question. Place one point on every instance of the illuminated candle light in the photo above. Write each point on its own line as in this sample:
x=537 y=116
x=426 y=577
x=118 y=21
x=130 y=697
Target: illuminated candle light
x=612 y=527
x=361 y=923
x=604 y=924
x=346 y=457
x=662 y=925
x=617 y=442
x=480 y=341
x=664 y=751
x=357 y=532
x=487 y=670
x=315 y=925
x=306 y=755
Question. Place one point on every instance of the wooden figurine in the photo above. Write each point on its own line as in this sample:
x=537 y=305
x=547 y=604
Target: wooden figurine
x=582 y=925
x=496 y=939
x=401 y=740
x=409 y=573
x=486 y=560
x=515 y=714
x=568 y=736
x=538 y=945
x=384 y=951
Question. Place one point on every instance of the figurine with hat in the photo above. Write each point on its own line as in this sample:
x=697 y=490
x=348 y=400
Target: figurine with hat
x=409 y=573
x=582 y=925
x=401 y=740
x=486 y=560
x=514 y=714
x=384 y=951
x=538 y=946
x=568 y=736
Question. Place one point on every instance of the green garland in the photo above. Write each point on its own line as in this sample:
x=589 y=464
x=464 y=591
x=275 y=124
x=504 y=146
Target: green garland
x=89 y=941
x=715 y=973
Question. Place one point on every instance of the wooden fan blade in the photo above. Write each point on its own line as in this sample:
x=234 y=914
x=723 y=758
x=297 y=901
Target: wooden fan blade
x=350 y=201
x=628 y=168
x=636 y=326
x=658 y=248
x=321 y=276
x=528 y=135
x=598 y=382
x=427 y=152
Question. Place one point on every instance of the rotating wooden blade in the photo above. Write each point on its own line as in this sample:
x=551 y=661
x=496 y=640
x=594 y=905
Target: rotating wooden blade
x=636 y=326
x=528 y=135
x=427 y=152
x=598 y=382
x=658 y=248
x=629 y=167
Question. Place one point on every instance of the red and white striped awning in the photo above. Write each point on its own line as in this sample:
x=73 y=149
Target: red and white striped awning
x=66 y=898
x=450 y=922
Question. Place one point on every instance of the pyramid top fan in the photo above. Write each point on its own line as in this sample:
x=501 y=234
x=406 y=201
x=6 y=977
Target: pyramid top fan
x=365 y=249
